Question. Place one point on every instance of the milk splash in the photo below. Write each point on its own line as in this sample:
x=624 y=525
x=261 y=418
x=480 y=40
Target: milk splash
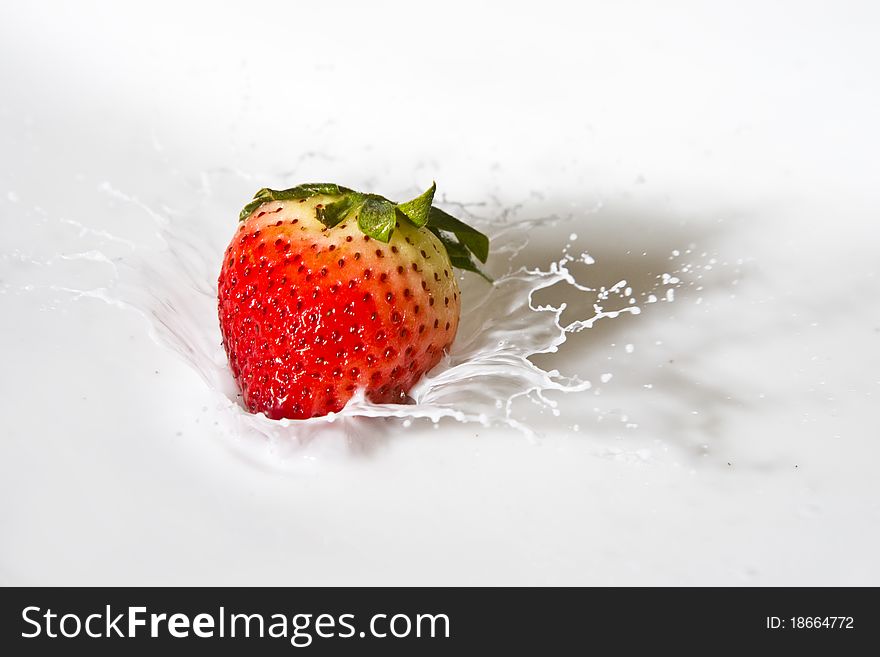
x=170 y=279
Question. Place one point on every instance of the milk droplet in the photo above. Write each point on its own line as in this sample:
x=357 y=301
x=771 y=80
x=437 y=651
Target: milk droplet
x=587 y=259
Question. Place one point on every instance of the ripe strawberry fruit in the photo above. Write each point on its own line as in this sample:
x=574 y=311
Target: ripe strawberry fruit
x=325 y=290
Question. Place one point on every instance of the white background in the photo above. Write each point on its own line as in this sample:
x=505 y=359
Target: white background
x=747 y=129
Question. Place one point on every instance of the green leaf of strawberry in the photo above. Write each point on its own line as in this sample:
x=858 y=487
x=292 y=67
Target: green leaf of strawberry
x=418 y=209
x=475 y=241
x=332 y=213
x=306 y=190
x=376 y=218
x=459 y=256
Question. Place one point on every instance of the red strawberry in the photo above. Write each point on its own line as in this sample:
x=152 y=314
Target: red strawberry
x=324 y=290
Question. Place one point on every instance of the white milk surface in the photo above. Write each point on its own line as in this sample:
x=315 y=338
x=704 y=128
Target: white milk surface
x=673 y=380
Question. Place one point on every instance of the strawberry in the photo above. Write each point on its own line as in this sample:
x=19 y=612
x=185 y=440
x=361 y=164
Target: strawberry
x=325 y=290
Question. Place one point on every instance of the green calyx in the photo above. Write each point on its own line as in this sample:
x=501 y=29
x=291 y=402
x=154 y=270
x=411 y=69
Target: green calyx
x=377 y=217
